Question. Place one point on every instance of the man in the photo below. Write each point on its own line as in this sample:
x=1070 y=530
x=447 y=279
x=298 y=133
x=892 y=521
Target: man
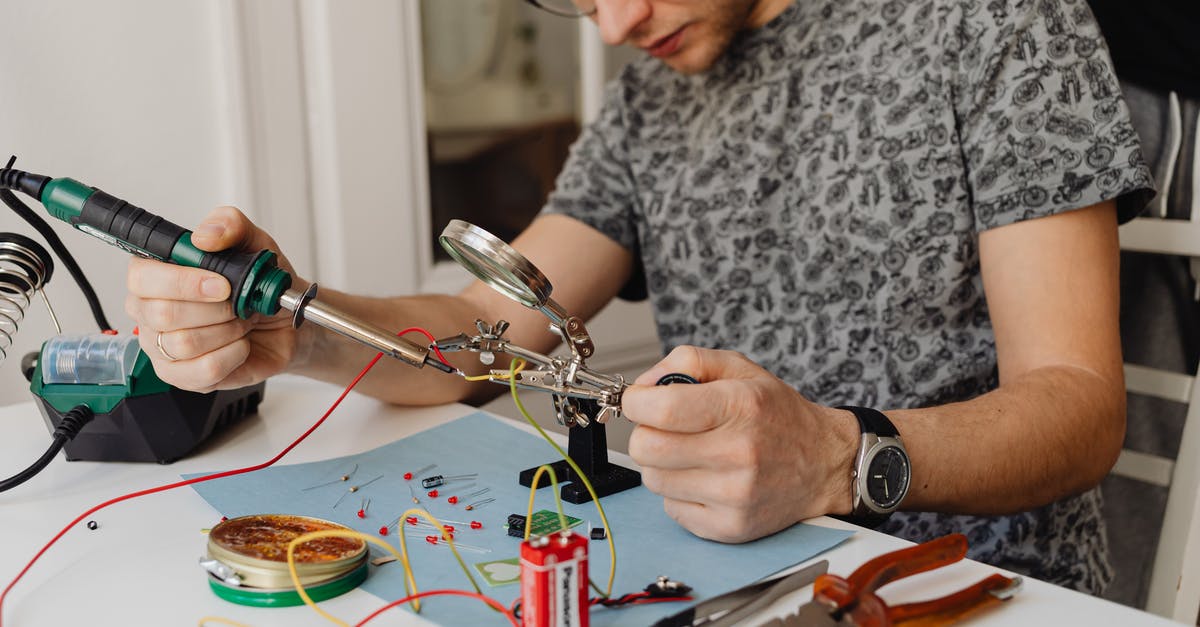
x=825 y=190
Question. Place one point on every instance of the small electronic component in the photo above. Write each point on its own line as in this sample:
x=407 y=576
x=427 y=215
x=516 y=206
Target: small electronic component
x=362 y=511
x=554 y=580
x=441 y=480
x=93 y=525
x=454 y=499
x=597 y=533
x=544 y=522
x=417 y=473
x=345 y=477
x=479 y=503
x=355 y=488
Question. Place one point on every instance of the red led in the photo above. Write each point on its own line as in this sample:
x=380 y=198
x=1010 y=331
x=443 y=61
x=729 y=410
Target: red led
x=452 y=500
x=362 y=514
x=412 y=520
x=224 y=518
x=408 y=476
x=449 y=529
x=383 y=530
x=431 y=539
x=433 y=494
x=475 y=524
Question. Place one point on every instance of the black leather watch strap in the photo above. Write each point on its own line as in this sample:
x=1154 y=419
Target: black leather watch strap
x=873 y=421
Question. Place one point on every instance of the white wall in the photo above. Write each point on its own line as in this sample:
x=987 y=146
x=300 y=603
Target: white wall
x=125 y=95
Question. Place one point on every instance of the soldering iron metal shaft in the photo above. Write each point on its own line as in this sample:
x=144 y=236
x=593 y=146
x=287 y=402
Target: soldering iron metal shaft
x=304 y=306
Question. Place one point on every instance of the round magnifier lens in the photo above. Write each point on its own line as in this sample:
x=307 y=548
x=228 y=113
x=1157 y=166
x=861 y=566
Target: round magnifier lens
x=495 y=263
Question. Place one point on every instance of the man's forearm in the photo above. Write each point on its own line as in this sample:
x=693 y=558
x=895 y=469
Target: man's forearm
x=1050 y=433
x=325 y=355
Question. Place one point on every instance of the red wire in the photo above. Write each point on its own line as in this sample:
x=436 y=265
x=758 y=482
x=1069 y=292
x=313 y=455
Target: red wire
x=432 y=342
x=429 y=593
x=195 y=480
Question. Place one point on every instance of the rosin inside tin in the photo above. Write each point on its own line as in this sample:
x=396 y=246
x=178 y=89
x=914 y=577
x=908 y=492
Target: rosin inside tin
x=247 y=560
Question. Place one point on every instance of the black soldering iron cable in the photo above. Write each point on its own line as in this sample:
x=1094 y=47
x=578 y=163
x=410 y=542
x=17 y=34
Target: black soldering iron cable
x=65 y=255
x=70 y=425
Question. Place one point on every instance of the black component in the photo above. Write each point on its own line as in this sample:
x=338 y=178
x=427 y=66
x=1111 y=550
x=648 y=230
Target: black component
x=432 y=360
x=108 y=214
x=433 y=482
x=24 y=182
x=675 y=377
x=93 y=525
x=66 y=429
x=159 y=427
x=588 y=446
x=47 y=232
x=665 y=587
x=598 y=533
x=516 y=525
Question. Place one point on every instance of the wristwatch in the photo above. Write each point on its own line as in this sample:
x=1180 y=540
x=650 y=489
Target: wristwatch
x=881 y=469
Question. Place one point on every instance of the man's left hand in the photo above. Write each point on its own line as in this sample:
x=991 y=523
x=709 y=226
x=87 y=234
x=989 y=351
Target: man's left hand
x=741 y=454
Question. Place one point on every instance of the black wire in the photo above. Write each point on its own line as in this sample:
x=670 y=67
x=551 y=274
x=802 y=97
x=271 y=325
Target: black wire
x=70 y=425
x=42 y=462
x=56 y=244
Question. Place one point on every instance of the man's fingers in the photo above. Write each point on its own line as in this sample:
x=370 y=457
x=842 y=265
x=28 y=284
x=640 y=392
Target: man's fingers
x=200 y=374
x=227 y=227
x=170 y=315
x=686 y=408
x=702 y=364
x=698 y=485
x=192 y=343
x=154 y=279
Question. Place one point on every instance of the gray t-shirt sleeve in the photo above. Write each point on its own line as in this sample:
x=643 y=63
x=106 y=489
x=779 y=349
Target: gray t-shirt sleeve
x=596 y=185
x=1043 y=125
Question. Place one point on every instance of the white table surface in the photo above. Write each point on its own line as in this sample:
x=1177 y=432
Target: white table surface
x=139 y=567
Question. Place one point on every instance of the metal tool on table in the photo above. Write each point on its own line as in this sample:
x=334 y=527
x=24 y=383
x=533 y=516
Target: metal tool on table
x=738 y=605
x=851 y=601
x=583 y=399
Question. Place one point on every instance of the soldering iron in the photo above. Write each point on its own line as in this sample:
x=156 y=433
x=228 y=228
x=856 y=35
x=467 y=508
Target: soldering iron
x=258 y=284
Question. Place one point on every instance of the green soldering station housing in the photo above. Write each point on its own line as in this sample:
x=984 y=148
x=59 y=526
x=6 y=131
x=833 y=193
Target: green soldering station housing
x=137 y=416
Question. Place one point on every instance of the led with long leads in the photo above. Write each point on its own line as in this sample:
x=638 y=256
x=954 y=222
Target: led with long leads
x=354 y=489
x=436 y=541
x=454 y=499
x=362 y=511
x=440 y=480
x=345 y=477
x=478 y=504
x=417 y=473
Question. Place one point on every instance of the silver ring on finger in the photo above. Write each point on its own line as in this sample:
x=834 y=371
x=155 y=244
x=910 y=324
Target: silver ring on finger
x=165 y=354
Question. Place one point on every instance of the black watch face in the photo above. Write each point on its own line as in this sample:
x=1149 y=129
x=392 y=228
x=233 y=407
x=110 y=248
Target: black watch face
x=887 y=477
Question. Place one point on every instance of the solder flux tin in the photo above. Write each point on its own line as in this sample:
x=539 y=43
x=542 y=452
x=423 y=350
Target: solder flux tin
x=255 y=547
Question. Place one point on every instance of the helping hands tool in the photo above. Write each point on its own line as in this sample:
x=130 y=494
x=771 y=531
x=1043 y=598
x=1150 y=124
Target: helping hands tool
x=852 y=601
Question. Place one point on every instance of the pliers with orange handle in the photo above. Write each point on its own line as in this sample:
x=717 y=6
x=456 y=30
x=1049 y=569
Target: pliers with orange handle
x=851 y=601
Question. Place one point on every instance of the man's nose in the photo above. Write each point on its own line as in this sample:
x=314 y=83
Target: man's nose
x=618 y=18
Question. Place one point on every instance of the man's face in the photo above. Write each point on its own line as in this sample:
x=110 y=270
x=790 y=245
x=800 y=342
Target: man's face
x=688 y=35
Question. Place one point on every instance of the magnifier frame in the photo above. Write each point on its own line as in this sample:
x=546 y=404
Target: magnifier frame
x=500 y=266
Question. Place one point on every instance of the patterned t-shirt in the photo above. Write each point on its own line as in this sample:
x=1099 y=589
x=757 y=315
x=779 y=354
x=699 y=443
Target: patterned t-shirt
x=815 y=199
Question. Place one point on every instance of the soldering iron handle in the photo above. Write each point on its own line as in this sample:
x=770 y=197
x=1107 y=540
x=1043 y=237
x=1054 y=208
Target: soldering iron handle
x=255 y=278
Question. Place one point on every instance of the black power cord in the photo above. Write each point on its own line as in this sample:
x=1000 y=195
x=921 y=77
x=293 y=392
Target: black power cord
x=68 y=260
x=70 y=425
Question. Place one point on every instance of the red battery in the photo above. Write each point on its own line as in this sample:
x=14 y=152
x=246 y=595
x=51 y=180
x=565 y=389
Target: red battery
x=554 y=581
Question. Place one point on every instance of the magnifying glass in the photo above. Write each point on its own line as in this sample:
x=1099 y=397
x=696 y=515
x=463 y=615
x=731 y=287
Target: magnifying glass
x=501 y=267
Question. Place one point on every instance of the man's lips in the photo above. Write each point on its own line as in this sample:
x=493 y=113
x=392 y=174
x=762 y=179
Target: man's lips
x=667 y=45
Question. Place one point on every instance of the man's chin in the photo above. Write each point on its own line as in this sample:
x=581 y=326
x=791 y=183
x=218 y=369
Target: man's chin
x=690 y=61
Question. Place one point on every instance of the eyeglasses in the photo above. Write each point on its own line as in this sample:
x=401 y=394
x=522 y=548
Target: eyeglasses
x=566 y=8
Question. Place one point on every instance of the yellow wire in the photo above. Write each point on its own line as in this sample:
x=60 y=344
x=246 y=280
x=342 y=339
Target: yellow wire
x=410 y=584
x=498 y=377
x=416 y=603
x=612 y=548
x=223 y=621
x=533 y=487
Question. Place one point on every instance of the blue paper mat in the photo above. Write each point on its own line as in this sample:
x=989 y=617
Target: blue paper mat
x=648 y=542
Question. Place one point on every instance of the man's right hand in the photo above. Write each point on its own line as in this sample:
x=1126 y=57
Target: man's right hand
x=186 y=322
